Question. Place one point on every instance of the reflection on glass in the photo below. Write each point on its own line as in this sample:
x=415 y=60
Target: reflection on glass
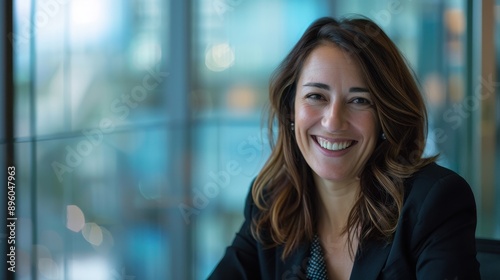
x=107 y=204
x=75 y=218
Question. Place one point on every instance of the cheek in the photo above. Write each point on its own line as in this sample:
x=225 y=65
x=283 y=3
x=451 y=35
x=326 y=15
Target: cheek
x=368 y=124
x=306 y=114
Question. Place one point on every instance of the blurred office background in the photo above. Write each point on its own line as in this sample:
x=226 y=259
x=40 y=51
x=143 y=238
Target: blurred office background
x=135 y=125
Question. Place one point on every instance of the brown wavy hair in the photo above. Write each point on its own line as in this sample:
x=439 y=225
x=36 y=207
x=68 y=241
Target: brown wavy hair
x=282 y=190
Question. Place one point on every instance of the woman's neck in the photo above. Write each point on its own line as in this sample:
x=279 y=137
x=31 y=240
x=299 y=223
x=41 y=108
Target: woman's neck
x=336 y=200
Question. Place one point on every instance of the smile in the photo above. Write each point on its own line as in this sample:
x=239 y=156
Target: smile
x=334 y=146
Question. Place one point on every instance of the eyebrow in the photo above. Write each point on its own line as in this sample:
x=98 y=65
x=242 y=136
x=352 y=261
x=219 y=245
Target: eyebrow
x=327 y=87
x=358 y=89
x=318 y=85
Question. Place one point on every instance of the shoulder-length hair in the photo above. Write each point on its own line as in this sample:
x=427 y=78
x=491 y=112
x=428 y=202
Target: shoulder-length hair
x=283 y=189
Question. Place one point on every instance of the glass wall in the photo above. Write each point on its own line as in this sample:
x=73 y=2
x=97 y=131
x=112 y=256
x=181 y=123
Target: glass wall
x=93 y=141
x=138 y=124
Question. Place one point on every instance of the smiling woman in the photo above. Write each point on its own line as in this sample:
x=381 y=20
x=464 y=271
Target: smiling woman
x=334 y=115
x=346 y=192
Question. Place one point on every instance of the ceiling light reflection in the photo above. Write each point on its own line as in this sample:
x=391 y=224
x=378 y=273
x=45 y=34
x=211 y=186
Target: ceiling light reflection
x=219 y=57
x=94 y=268
x=92 y=233
x=75 y=220
x=107 y=241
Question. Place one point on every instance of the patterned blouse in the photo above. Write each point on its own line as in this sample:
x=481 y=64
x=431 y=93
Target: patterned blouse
x=316 y=268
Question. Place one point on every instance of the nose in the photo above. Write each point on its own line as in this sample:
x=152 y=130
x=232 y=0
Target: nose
x=335 y=118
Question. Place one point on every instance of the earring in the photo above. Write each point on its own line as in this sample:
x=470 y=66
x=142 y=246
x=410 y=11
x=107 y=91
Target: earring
x=383 y=136
x=292 y=126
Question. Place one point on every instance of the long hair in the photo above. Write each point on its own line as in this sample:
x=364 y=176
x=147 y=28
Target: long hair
x=282 y=190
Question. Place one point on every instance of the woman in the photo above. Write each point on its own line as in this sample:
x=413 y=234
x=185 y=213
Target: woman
x=346 y=193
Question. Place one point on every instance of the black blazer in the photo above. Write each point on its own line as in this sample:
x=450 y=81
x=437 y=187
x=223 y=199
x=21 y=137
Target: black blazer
x=434 y=239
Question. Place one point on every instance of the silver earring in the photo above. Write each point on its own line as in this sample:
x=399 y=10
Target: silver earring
x=383 y=136
x=292 y=126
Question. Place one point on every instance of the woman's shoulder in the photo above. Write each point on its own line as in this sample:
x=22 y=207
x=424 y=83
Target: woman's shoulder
x=437 y=183
x=433 y=171
x=435 y=233
x=434 y=175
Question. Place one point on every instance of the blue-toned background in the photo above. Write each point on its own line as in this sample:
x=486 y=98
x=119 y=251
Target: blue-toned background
x=138 y=123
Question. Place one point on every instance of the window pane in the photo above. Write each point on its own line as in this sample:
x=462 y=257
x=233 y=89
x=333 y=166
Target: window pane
x=123 y=180
x=91 y=64
x=100 y=206
x=103 y=205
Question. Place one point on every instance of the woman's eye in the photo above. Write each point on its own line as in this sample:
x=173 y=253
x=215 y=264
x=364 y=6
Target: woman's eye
x=314 y=96
x=361 y=101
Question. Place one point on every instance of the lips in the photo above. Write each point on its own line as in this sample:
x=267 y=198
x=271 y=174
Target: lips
x=337 y=145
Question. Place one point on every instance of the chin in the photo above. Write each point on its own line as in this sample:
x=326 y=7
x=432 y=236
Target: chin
x=329 y=175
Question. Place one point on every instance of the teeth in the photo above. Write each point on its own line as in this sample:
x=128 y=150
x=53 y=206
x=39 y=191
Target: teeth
x=334 y=146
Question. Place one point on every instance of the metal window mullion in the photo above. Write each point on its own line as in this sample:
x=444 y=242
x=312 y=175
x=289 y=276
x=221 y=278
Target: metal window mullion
x=178 y=104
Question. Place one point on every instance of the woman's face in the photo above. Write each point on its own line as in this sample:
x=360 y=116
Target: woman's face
x=336 y=126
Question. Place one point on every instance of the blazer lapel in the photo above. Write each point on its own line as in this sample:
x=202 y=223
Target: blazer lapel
x=295 y=266
x=370 y=260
